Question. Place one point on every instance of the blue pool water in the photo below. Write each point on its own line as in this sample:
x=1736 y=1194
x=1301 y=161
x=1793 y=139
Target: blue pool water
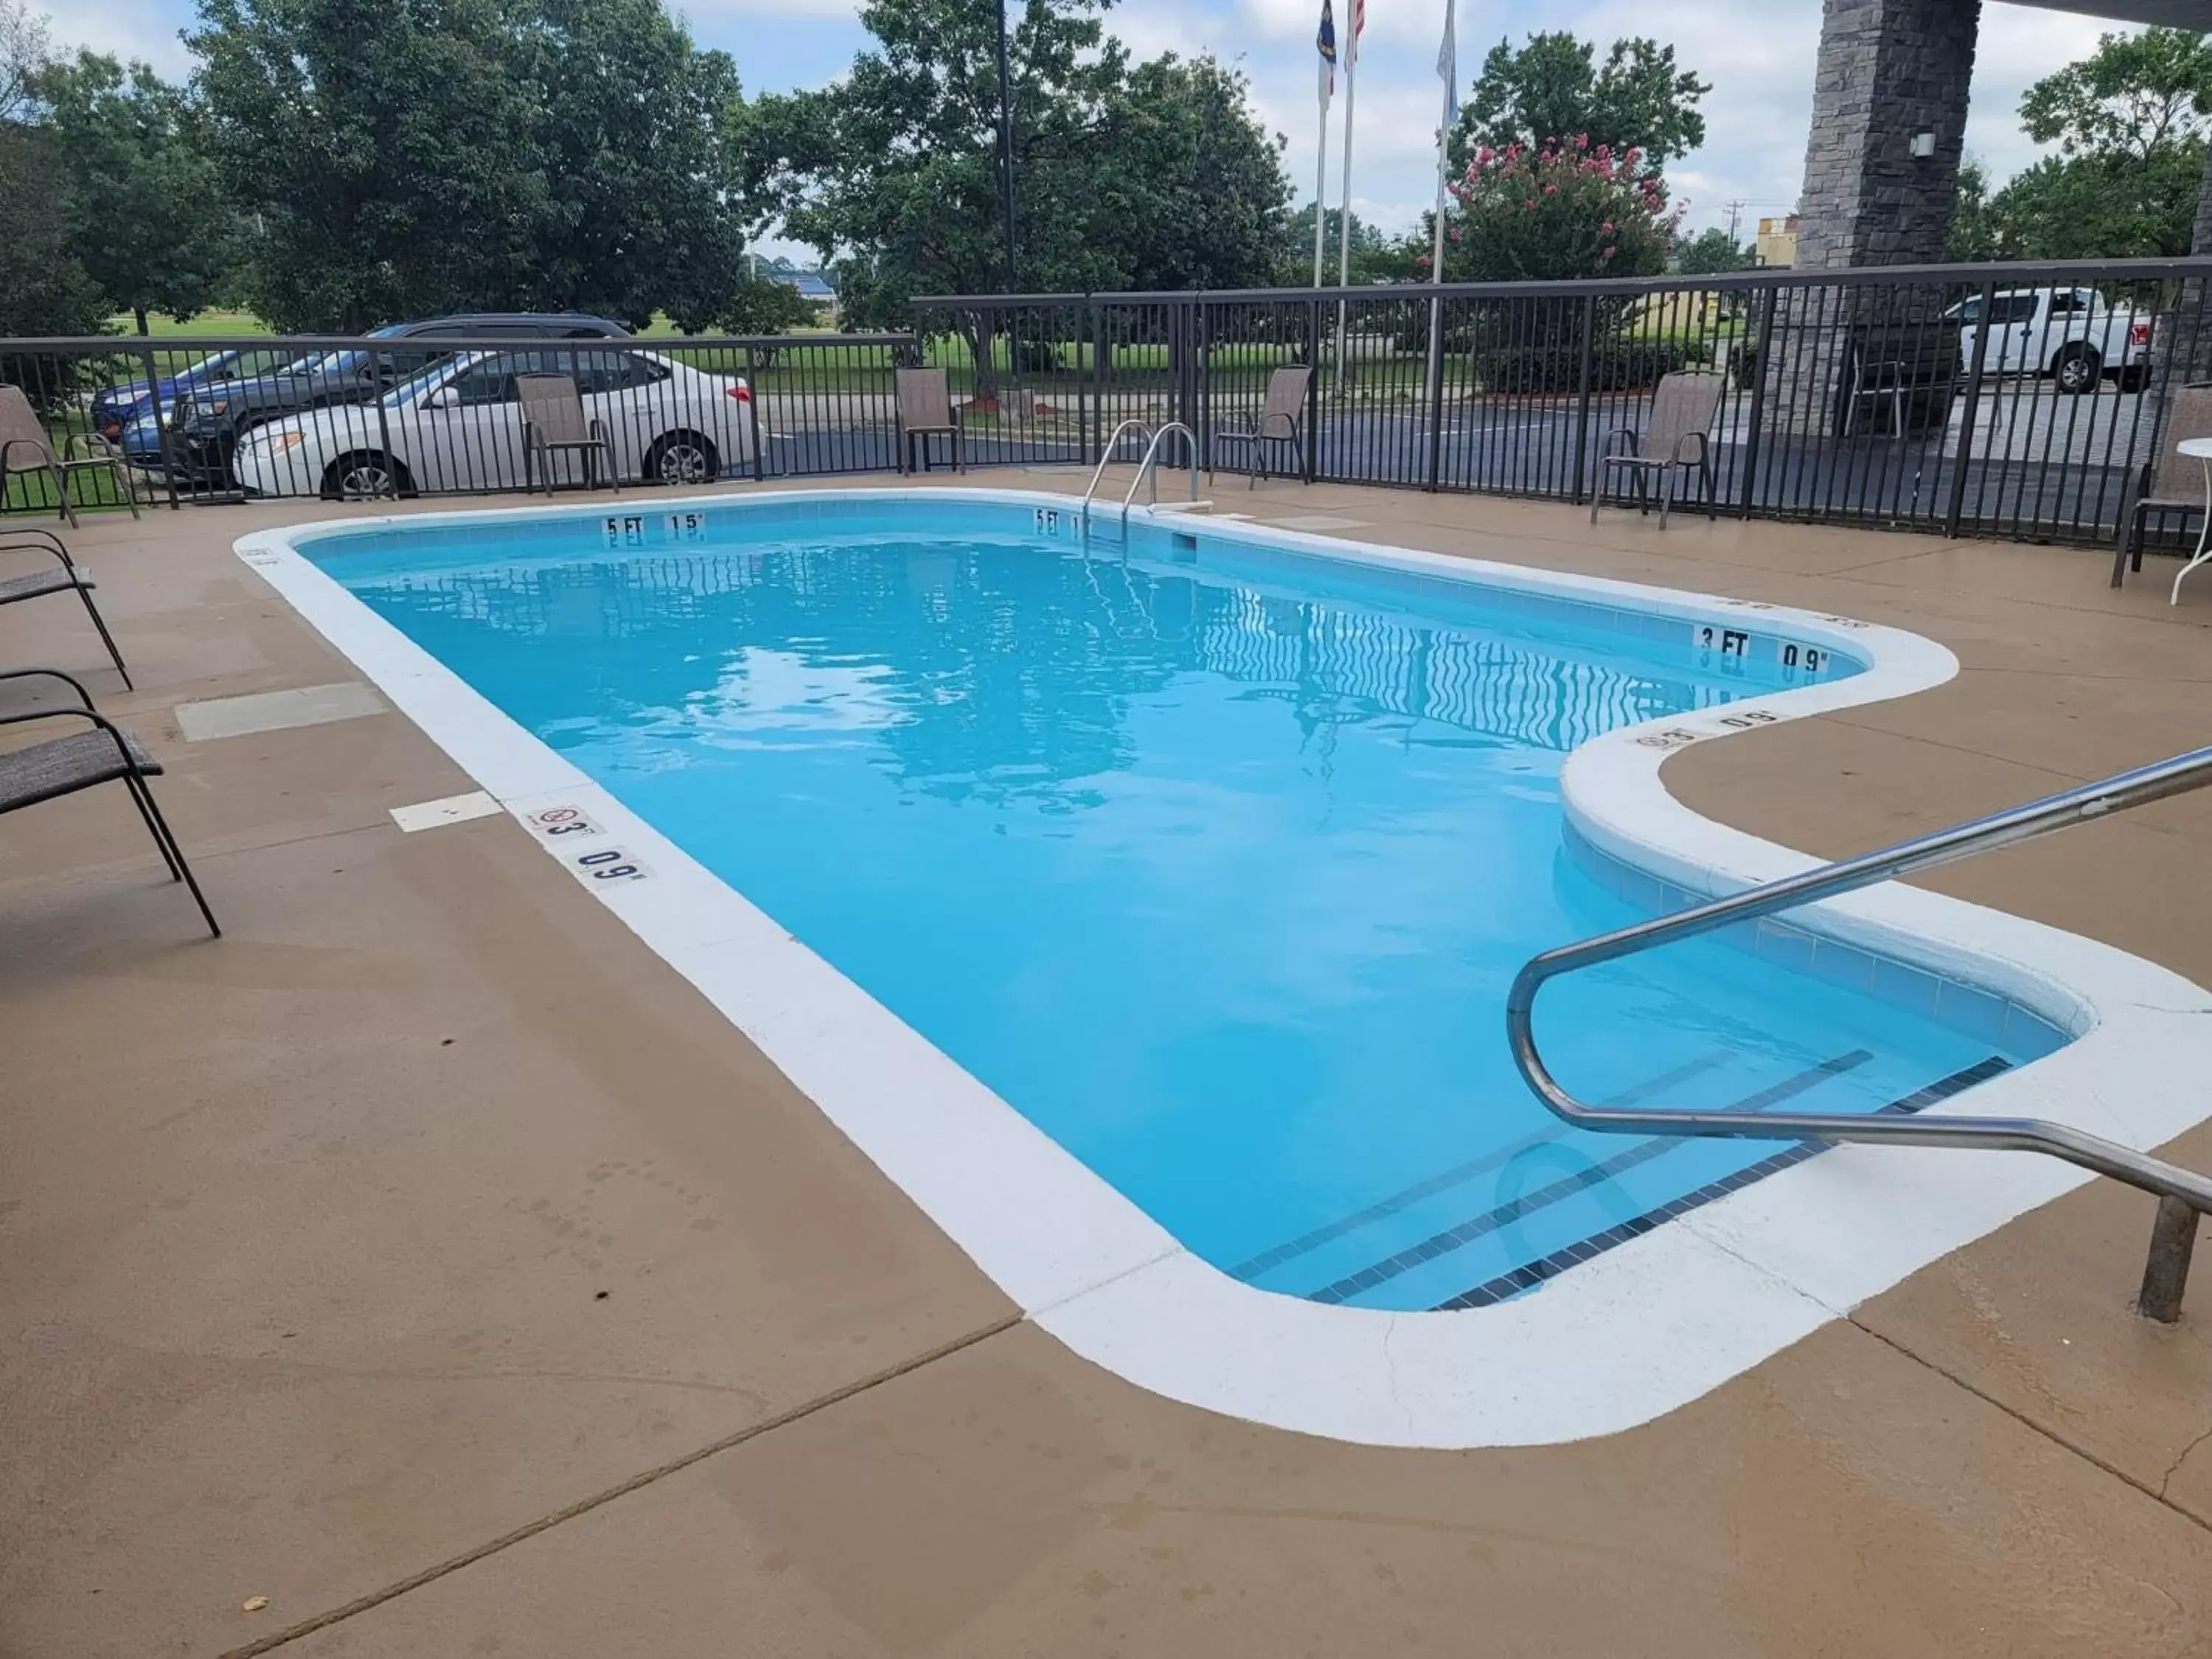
x=1215 y=862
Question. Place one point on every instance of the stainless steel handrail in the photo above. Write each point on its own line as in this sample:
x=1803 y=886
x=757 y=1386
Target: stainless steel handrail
x=2182 y=1193
x=1149 y=468
x=1105 y=457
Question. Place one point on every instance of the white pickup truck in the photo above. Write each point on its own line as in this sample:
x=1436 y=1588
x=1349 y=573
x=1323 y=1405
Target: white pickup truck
x=2072 y=334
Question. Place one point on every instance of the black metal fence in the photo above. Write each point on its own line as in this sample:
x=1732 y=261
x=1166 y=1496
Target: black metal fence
x=2022 y=401
x=221 y=418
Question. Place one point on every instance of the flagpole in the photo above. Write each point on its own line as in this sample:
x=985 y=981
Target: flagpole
x=1448 y=71
x=1321 y=179
x=1350 y=58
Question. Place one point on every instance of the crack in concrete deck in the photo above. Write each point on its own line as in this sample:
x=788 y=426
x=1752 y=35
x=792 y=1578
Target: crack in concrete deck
x=637 y=1482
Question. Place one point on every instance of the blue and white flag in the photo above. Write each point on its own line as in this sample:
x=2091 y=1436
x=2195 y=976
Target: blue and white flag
x=1325 y=42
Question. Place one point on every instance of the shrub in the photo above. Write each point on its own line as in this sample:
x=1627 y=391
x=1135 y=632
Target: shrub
x=1615 y=365
x=1576 y=209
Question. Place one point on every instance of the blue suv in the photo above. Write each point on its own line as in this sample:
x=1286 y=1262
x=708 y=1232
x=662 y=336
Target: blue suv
x=115 y=409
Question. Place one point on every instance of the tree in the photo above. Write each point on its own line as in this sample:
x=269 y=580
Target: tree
x=1710 y=252
x=22 y=54
x=148 y=219
x=1553 y=91
x=1576 y=210
x=895 y=165
x=465 y=155
x=1197 y=183
x=386 y=150
x=43 y=289
x=634 y=217
x=1375 y=257
x=1973 y=235
x=2135 y=95
x=1158 y=174
x=2131 y=122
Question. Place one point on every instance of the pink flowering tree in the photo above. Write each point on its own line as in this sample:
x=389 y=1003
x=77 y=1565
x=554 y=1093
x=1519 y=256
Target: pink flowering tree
x=1574 y=210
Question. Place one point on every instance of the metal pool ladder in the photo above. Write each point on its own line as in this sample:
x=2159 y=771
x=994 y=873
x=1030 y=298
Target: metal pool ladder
x=2182 y=1195
x=1148 y=468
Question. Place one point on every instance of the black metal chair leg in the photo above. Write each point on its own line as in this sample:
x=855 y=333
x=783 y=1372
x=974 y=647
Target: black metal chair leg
x=106 y=638
x=162 y=831
x=136 y=786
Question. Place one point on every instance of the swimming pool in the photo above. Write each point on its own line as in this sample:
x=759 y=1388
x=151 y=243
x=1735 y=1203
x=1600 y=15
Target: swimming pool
x=1209 y=857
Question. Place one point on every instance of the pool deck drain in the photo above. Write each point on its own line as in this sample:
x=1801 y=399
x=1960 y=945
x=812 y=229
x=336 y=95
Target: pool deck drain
x=393 y=1256
x=450 y=808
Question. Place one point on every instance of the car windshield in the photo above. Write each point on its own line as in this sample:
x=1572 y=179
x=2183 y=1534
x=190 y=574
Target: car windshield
x=428 y=380
x=238 y=365
x=344 y=362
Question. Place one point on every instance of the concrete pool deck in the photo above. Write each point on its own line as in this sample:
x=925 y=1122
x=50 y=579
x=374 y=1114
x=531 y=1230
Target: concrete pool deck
x=428 y=1258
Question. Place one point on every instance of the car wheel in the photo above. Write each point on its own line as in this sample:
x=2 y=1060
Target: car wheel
x=365 y=475
x=2076 y=370
x=682 y=458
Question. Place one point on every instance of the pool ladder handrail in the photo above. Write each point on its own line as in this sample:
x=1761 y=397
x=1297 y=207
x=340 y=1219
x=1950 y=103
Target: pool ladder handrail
x=1146 y=467
x=1106 y=459
x=2182 y=1195
x=1149 y=468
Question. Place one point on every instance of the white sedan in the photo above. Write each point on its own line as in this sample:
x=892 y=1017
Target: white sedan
x=457 y=427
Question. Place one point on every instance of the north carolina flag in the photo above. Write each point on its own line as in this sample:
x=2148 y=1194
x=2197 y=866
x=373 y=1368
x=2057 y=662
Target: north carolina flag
x=1325 y=42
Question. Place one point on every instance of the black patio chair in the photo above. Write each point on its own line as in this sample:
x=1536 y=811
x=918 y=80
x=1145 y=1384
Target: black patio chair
x=103 y=753
x=71 y=577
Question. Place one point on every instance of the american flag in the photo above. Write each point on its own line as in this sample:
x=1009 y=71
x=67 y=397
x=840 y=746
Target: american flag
x=1359 y=23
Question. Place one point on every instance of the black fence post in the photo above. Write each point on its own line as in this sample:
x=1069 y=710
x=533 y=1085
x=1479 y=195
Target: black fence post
x=1436 y=390
x=1966 y=454
x=160 y=427
x=1762 y=346
x=391 y=485
x=752 y=413
x=1102 y=363
x=1085 y=336
x=1583 y=395
x=1312 y=446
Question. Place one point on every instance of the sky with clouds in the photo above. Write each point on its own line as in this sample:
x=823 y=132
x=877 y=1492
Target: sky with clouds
x=1758 y=54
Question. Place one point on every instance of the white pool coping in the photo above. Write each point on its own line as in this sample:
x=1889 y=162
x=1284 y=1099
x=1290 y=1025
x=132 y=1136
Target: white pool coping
x=1616 y=1341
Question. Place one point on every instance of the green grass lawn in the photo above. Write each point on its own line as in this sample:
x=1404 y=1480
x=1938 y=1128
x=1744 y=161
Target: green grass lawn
x=208 y=324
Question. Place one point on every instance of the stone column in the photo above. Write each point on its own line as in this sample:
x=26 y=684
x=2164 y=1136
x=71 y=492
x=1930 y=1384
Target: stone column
x=1889 y=71
x=1892 y=75
x=2193 y=347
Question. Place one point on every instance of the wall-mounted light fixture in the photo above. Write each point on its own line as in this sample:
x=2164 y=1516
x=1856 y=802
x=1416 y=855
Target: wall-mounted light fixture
x=1924 y=146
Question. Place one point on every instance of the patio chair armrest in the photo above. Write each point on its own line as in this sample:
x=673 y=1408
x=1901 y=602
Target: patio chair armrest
x=597 y=432
x=97 y=450
x=122 y=748
x=1613 y=437
x=43 y=451
x=47 y=542
x=1683 y=442
x=534 y=436
x=69 y=680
